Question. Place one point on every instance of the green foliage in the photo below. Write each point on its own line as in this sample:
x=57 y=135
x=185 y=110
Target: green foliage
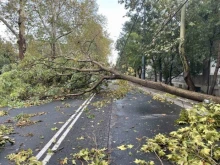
x=170 y=95
x=23 y=119
x=92 y=156
x=159 y=41
x=4 y=132
x=159 y=98
x=24 y=157
x=35 y=80
x=3 y=113
x=7 y=54
x=196 y=143
x=143 y=162
x=120 y=89
x=45 y=73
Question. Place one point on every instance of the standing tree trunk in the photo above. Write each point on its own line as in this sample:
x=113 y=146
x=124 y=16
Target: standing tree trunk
x=160 y=70
x=53 y=30
x=186 y=72
x=21 y=25
x=21 y=41
x=170 y=74
x=155 y=75
x=171 y=69
x=155 y=69
x=206 y=71
x=215 y=73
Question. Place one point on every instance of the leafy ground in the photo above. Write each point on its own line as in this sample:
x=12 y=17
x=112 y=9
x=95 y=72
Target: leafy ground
x=197 y=143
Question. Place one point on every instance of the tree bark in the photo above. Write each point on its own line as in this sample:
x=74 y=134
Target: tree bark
x=155 y=75
x=155 y=69
x=207 y=72
x=215 y=73
x=21 y=25
x=160 y=70
x=186 y=72
x=53 y=31
x=171 y=70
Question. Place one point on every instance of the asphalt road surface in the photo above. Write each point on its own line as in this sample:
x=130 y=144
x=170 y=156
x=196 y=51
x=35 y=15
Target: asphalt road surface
x=71 y=125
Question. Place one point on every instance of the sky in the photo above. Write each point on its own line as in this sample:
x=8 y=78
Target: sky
x=114 y=13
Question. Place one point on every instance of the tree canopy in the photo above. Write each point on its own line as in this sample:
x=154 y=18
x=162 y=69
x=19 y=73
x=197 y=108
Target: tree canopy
x=157 y=24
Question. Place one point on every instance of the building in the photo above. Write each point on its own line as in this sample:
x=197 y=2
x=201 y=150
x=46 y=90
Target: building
x=200 y=83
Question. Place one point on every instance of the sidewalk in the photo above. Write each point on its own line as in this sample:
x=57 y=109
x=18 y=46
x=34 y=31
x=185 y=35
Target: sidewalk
x=180 y=101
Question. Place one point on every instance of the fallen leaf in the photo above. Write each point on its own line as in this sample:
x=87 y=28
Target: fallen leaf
x=80 y=138
x=54 y=129
x=64 y=161
x=122 y=147
x=130 y=146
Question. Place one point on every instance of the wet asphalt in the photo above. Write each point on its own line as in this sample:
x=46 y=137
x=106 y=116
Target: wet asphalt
x=130 y=120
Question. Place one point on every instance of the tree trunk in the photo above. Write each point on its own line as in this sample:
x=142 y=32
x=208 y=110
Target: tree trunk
x=21 y=41
x=155 y=69
x=206 y=73
x=186 y=72
x=160 y=70
x=21 y=25
x=215 y=73
x=155 y=75
x=207 y=70
x=53 y=31
x=160 y=86
x=171 y=70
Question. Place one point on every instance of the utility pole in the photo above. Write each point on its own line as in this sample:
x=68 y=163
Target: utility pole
x=143 y=40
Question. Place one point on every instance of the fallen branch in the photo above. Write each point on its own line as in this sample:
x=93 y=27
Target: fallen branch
x=94 y=86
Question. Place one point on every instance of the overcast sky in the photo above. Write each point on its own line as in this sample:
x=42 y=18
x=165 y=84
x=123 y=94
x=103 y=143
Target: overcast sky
x=114 y=13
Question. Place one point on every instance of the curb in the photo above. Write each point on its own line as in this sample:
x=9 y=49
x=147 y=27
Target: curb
x=180 y=101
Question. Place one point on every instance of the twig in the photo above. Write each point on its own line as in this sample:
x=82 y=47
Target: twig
x=158 y=158
x=59 y=149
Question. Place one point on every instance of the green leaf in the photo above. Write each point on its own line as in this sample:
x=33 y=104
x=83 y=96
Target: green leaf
x=130 y=146
x=73 y=162
x=122 y=147
x=54 y=129
x=205 y=151
x=80 y=138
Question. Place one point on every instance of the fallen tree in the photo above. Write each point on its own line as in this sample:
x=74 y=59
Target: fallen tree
x=114 y=74
x=35 y=81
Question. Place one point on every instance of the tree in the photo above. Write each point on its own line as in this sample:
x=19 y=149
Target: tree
x=158 y=47
x=215 y=73
x=202 y=32
x=58 y=21
x=186 y=73
x=79 y=64
x=8 y=9
x=155 y=85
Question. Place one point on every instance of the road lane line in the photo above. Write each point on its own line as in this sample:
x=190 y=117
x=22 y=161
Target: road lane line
x=57 y=144
x=45 y=148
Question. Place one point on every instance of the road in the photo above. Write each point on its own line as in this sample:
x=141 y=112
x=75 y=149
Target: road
x=71 y=125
